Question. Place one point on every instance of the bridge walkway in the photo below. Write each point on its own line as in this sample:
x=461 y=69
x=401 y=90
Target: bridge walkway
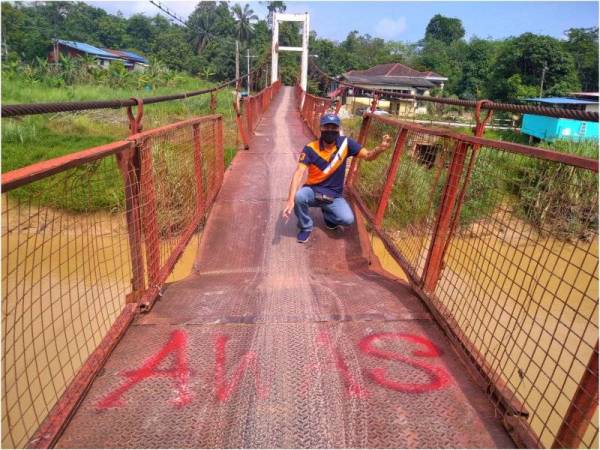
x=270 y=343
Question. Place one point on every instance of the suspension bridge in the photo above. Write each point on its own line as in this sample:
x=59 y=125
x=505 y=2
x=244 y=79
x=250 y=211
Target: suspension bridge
x=487 y=336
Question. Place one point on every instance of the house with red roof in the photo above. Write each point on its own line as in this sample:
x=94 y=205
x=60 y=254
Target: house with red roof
x=392 y=78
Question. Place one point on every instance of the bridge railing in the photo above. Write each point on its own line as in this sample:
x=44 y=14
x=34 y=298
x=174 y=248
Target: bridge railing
x=254 y=106
x=87 y=240
x=501 y=242
x=311 y=108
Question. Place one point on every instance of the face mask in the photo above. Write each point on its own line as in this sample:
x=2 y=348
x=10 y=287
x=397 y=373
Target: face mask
x=329 y=136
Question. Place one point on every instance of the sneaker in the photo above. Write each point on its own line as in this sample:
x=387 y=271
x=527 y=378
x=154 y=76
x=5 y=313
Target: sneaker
x=303 y=236
x=330 y=225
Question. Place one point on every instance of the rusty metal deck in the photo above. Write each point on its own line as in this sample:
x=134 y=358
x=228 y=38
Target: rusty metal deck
x=270 y=343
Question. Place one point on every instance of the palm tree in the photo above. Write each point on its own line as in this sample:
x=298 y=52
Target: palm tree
x=202 y=34
x=244 y=29
x=273 y=7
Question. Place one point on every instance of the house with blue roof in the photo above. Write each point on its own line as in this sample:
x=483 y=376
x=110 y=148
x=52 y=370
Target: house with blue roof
x=553 y=128
x=103 y=56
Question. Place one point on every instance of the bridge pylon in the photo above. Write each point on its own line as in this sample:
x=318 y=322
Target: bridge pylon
x=276 y=48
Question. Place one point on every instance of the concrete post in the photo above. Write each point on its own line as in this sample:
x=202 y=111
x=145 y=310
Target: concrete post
x=275 y=49
x=304 y=63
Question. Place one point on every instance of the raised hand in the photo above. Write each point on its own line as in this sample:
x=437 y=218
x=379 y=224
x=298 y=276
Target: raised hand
x=385 y=142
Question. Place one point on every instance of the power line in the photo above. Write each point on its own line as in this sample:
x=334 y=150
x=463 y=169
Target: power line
x=168 y=12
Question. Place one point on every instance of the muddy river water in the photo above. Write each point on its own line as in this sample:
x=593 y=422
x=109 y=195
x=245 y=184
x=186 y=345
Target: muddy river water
x=63 y=290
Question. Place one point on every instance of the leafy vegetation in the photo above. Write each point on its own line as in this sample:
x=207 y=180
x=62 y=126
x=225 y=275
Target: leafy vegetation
x=504 y=69
x=558 y=199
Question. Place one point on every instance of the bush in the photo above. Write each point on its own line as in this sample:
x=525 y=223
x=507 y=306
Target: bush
x=558 y=199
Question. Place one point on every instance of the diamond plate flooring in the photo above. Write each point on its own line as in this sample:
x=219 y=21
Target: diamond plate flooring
x=270 y=343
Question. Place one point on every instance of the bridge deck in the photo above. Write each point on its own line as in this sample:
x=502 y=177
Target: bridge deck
x=270 y=343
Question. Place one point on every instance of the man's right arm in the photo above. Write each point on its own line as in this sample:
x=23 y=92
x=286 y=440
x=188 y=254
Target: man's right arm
x=294 y=186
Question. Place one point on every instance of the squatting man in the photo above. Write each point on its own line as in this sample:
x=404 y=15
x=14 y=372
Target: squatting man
x=325 y=161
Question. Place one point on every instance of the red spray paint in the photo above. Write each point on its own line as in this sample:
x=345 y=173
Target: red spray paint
x=439 y=377
x=180 y=373
x=352 y=385
x=223 y=388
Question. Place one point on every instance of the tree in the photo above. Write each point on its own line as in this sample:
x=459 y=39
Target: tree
x=141 y=33
x=526 y=56
x=582 y=44
x=476 y=69
x=445 y=29
x=210 y=20
x=244 y=18
x=172 y=49
x=445 y=59
x=274 y=7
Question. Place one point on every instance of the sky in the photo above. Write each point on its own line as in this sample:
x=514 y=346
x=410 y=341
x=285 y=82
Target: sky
x=406 y=21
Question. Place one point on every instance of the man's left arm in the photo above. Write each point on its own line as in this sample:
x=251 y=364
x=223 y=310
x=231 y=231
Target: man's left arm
x=370 y=155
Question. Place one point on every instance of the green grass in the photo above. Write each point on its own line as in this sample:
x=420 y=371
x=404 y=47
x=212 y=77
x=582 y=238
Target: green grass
x=555 y=199
x=30 y=139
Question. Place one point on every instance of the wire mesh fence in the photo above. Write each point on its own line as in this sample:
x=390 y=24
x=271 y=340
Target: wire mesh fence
x=254 y=106
x=85 y=237
x=502 y=241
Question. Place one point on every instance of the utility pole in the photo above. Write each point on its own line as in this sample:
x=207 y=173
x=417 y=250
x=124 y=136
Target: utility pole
x=237 y=60
x=543 y=76
x=248 y=67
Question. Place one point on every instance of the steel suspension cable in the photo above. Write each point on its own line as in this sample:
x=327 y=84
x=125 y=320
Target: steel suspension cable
x=488 y=104
x=26 y=109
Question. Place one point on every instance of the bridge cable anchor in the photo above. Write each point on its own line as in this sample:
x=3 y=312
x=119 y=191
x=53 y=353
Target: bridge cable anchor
x=135 y=123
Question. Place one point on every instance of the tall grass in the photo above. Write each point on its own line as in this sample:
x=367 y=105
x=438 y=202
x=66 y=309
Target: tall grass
x=29 y=139
x=554 y=198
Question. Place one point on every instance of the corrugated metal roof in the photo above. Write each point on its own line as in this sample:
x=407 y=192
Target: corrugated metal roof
x=389 y=81
x=394 y=70
x=560 y=101
x=86 y=48
x=127 y=55
x=135 y=56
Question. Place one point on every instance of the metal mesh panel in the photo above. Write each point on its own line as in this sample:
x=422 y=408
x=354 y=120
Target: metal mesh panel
x=65 y=272
x=104 y=226
x=253 y=107
x=169 y=186
x=371 y=178
x=502 y=240
x=416 y=195
x=521 y=280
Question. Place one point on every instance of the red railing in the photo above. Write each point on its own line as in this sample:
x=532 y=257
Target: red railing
x=88 y=239
x=311 y=108
x=500 y=240
x=253 y=107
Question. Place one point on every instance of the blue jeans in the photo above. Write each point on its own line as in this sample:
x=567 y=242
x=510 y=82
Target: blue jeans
x=338 y=212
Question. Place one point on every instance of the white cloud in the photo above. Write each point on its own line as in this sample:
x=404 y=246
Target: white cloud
x=390 y=28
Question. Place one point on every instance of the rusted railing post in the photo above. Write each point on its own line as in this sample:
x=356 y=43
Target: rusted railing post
x=130 y=167
x=149 y=214
x=391 y=177
x=213 y=103
x=240 y=125
x=478 y=132
x=441 y=234
x=200 y=200
x=362 y=139
x=219 y=150
x=582 y=407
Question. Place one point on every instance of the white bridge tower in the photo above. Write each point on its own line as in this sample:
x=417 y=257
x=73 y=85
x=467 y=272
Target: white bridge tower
x=275 y=48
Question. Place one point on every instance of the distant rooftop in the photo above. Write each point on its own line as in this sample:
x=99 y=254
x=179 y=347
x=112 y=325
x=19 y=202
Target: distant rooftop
x=128 y=55
x=560 y=101
x=106 y=53
x=86 y=48
x=393 y=74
